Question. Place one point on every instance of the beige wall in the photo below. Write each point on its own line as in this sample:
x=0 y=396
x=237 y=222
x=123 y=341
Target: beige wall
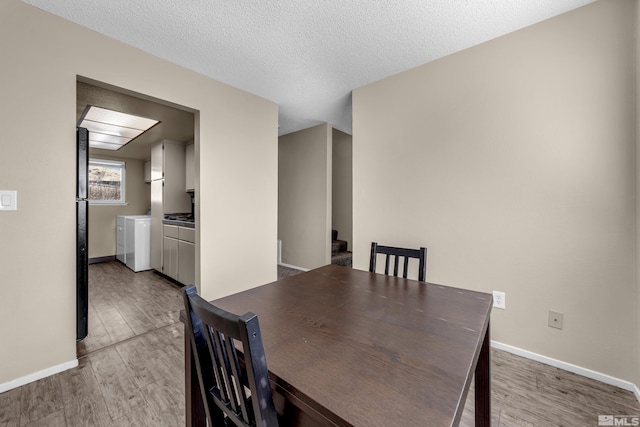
x=236 y=192
x=102 y=218
x=514 y=163
x=304 y=197
x=342 y=186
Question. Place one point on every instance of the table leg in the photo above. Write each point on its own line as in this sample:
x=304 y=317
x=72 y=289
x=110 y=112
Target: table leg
x=483 y=385
x=194 y=405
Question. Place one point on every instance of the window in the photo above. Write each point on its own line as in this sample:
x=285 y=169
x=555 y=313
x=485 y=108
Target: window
x=106 y=182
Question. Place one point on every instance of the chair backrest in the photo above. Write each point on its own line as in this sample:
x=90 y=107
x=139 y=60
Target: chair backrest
x=235 y=389
x=398 y=253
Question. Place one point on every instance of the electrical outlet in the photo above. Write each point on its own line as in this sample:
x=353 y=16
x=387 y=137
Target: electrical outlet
x=499 y=300
x=556 y=319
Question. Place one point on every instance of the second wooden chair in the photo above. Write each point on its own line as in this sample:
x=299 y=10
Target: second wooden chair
x=398 y=253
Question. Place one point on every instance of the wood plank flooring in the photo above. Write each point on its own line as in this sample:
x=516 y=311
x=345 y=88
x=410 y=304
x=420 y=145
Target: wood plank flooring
x=529 y=393
x=124 y=304
x=131 y=365
x=131 y=371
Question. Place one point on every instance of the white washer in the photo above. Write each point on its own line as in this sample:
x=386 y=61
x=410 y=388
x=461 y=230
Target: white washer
x=137 y=242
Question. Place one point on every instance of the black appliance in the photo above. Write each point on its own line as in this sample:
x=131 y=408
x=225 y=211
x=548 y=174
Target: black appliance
x=82 y=236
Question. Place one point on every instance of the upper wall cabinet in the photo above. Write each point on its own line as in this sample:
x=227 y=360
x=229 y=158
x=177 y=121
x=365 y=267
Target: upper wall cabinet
x=168 y=168
x=147 y=171
x=190 y=179
x=157 y=161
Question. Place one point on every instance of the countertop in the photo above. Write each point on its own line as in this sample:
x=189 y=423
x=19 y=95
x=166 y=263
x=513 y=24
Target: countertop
x=187 y=224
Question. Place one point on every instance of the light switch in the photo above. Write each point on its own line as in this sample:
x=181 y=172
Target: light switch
x=8 y=200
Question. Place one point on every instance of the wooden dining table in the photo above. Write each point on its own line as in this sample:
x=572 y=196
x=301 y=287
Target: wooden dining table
x=346 y=347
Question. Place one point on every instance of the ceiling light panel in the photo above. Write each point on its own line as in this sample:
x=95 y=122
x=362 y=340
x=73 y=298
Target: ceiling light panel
x=111 y=130
x=102 y=115
x=111 y=139
x=104 y=145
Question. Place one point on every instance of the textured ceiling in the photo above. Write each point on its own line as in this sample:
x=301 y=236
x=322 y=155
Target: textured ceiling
x=307 y=56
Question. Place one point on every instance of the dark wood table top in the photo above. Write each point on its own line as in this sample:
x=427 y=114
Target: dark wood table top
x=366 y=349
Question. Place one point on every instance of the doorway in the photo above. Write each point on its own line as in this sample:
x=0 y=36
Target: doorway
x=107 y=278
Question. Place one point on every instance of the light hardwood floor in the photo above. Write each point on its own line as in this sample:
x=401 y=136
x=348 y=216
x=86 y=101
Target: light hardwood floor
x=131 y=371
x=131 y=365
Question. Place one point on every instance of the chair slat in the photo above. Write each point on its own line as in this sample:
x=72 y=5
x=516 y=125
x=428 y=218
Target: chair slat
x=213 y=354
x=395 y=265
x=405 y=267
x=223 y=358
x=239 y=395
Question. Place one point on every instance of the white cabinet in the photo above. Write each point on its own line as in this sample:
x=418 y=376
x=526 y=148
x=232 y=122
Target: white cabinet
x=170 y=251
x=186 y=262
x=168 y=193
x=157 y=161
x=186 y=255
x=179 y=253
x=168 y=165
x=190 y=180
x=156 y=224
x=147 y=171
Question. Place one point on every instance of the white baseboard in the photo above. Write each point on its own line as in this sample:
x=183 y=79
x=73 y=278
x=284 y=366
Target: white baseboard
x=37 y=375
x=293 y=266
x=607 y=379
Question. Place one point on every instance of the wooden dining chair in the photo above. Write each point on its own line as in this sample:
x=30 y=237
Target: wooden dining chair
x=234 y=384
x=399 y=253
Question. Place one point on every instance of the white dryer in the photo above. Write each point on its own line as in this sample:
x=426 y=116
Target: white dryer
x=136 y=250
